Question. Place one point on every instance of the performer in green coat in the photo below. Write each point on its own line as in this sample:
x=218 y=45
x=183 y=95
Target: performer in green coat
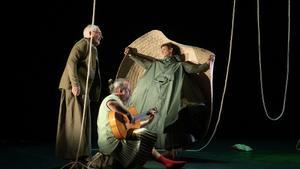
x=162 y=86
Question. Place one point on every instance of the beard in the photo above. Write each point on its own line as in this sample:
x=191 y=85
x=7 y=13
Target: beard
x=96 y=42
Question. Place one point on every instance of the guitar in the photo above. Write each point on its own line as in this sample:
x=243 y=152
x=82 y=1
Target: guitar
x=118 y=121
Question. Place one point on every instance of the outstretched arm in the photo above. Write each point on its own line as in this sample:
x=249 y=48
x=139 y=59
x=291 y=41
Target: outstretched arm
x=190 y=67
x=143 y=60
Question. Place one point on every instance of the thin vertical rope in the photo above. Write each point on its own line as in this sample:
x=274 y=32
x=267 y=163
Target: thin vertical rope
x=298 y=145
x=287 y=62
x=87 y=81
x=74 y=164
x=226 y=79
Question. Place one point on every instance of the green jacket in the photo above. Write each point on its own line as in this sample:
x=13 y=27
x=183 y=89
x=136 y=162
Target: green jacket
x=75 y=72
x=163 y=85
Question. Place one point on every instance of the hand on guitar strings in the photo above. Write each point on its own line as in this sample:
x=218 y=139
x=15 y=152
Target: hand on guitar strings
x=151 y=113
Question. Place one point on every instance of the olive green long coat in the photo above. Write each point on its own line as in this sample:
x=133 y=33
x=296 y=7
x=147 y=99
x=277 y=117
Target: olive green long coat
x=71 y=107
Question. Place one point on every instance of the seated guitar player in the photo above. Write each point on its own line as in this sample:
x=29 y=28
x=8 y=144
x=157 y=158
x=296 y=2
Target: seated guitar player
x=121 y=134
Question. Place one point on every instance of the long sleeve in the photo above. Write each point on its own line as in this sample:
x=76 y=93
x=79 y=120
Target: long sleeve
x=142 y=60
x=195 y=68
x=72 y=64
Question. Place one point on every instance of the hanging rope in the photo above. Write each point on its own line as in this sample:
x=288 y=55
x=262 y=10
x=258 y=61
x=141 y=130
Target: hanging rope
x=287 y=62
x=76 y=162
x=87 y=81
x=226 y=79
x=298 y=145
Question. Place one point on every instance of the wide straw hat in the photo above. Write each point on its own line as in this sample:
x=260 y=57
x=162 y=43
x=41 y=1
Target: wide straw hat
x=150 y=44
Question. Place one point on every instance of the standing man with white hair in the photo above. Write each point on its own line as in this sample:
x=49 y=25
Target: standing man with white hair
x=72 y=86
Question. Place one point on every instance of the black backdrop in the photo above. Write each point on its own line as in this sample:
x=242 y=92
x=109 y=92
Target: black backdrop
x=39 y=36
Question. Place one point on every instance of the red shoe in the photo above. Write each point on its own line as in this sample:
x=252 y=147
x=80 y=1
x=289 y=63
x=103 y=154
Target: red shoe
x=171 y=164
x=175 y=165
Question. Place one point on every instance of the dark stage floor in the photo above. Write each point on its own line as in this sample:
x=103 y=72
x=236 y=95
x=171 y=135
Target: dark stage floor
x=267 y=154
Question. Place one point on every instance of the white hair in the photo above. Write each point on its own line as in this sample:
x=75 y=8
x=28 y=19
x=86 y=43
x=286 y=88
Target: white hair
x=88 y=29
x=118 y=83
